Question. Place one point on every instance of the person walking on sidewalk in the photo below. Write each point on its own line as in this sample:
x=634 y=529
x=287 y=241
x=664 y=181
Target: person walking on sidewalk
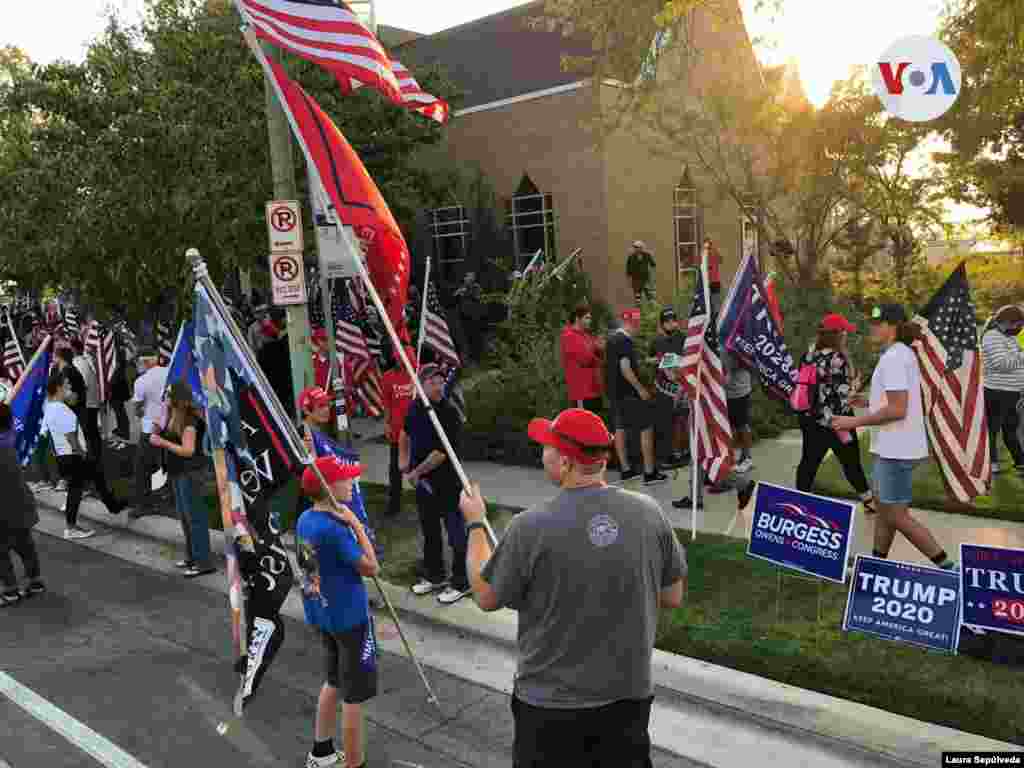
x=632 y=405
x=181 y=441
x=334 y=556
x=1003 y=362
x=399 y=392
x=18 y=516
x=901 y=442
x=89 y=414
x=582 y=360
x=587 y=571
x=73 y=461
x=838 y=382
x=148 y=399
x=427 y=467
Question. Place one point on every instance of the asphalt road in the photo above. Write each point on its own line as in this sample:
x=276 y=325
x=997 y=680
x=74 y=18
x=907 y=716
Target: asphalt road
x=126 y=667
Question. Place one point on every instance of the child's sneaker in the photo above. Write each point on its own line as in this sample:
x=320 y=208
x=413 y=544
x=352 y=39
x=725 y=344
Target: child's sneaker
x=336 y=758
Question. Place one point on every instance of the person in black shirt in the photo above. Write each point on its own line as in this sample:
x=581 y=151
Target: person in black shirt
x=670 y=434
x=275 y=359
x=73 y=381
x=632 y=405
x=426 y=466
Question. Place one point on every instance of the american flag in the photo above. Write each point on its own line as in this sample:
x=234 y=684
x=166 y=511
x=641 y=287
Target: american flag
x=952 y=387
x=453 y=391
x=328 y=33
x=350 y=339
x=70 y=324
x=434 y=328
x=100 y=344
x=13 y=359
x=164 y=342
x=125 y=339
x=704 y=380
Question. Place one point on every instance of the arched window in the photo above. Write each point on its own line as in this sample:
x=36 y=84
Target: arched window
x=449 y=229
x=687 y=221
x=532 y=219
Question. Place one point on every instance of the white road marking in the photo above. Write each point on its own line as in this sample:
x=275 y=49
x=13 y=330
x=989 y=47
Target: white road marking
x=104 y=751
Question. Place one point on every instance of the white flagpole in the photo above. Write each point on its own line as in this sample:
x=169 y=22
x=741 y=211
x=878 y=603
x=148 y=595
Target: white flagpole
x=423 y=315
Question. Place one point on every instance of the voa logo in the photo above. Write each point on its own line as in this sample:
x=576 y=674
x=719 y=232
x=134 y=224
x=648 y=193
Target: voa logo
x=917 y=78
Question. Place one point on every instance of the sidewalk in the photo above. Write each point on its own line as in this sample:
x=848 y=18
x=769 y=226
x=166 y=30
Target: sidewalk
x=704 y=713
x=776 y=462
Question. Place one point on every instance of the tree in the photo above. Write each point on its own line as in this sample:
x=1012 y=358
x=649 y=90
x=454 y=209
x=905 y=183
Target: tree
x=986 y=124
x=157 y=141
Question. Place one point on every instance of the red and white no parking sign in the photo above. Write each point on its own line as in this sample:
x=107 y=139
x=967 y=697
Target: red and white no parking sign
x=287 y=275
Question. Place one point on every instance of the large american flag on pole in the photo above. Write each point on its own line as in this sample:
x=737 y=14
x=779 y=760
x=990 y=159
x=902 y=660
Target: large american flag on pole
x=328 y=33
x=13 y=358
x=704 y=380
x=951 y=384
x=434 y=328
x=100 y=344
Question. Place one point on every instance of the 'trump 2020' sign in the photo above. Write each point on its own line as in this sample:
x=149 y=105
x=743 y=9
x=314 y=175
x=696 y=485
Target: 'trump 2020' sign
x=904 y=602
x=992 y=592
x=801 y=531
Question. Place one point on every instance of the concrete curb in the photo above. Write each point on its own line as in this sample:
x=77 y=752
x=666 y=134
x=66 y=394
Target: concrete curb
x=777 y=706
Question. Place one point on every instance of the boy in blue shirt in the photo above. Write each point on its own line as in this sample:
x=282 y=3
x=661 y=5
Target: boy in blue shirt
x=334 y=556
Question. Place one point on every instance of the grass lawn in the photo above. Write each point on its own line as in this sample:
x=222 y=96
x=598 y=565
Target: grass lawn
x=730 y=618
x=1006 y=501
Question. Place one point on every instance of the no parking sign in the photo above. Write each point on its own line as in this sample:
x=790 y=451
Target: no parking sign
x=287 y=273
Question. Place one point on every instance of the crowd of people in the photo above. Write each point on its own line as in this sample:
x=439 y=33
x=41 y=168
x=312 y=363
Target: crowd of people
x=583 y=684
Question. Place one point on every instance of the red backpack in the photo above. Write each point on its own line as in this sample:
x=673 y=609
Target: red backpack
x=804 y=396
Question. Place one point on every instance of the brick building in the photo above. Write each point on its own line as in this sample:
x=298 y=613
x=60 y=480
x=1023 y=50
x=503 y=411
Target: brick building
x=522 y=122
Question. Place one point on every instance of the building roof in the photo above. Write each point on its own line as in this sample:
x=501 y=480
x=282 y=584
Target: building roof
x=392 y=37
x=497 y=57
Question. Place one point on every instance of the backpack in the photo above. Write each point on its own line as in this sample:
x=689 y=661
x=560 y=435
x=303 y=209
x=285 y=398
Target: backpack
x=804 y=397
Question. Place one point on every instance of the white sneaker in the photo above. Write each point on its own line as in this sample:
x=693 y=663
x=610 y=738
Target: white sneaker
x=338 y=758
x=452 y=595
x=425 y=586
x=78 y=532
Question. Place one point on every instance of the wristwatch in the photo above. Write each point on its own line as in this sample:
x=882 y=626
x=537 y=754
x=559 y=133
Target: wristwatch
x=473 y=525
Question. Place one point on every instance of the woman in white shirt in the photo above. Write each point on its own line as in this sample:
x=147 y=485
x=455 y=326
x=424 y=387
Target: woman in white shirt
x=73 y=461
x=901 y=442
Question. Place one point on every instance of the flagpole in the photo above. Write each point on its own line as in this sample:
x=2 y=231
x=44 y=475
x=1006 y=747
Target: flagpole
x=24 y=374
x=290 y=432
x=556 y=272
x=423 y=314
x=17 y=344
x=347 y=236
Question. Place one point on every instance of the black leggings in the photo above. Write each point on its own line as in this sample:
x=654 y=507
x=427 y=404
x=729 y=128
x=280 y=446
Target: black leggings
x=18 y=540
x=818 y=441
x=1001 y=413
x=78 y=471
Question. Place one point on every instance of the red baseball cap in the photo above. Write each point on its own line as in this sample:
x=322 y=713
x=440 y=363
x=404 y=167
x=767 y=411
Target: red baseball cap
x=572 y=430
x=333 y=469
x=631 y=314
x=312 y=398
x=836 y=322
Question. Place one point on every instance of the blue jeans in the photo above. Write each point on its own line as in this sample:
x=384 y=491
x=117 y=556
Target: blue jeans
x=893 y=480
x=194 y=522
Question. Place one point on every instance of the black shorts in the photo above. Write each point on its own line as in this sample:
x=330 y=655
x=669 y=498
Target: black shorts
x=613 y=736
x=633 y=413
x=739 y=413
x=350 y=662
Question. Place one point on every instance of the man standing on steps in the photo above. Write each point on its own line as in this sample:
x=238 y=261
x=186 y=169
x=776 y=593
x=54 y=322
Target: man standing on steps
x=587 y=571
x=632 y=405
x=148 y=400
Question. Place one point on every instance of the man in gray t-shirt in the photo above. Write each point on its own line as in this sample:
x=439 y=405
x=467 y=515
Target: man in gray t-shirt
x=587 y=571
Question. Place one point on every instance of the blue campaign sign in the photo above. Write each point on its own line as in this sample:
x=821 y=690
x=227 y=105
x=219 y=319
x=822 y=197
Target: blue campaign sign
x=992 y=587
x=904 y=602
x=801 y=531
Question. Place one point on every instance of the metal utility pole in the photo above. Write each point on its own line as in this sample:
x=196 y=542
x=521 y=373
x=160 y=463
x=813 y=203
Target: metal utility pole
x=299 y=346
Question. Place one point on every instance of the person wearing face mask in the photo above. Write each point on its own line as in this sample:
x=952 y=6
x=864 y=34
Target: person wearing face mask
x=582 y=360
x=1003 y=364
x=588 y=572
x=148 y=400
x=670 y=434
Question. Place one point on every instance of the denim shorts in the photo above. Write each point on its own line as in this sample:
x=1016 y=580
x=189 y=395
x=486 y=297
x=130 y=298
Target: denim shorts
x=893 y=480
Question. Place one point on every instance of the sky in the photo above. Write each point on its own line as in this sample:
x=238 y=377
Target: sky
x=825 y=37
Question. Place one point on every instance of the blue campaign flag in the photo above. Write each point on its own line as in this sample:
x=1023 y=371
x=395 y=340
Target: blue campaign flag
x=904 y=602
x=748 y=330
x=324 y=446
x=992 y=588
x=28 y=401
x=183 y=364
x=801 y=531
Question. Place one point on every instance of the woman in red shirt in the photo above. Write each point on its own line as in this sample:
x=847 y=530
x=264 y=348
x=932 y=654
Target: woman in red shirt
x=582 y=361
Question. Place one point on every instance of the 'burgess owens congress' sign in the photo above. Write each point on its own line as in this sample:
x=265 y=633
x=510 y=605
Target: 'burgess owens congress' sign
x=801 y=531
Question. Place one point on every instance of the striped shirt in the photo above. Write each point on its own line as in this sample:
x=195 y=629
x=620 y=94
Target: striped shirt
x=1003 y=360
